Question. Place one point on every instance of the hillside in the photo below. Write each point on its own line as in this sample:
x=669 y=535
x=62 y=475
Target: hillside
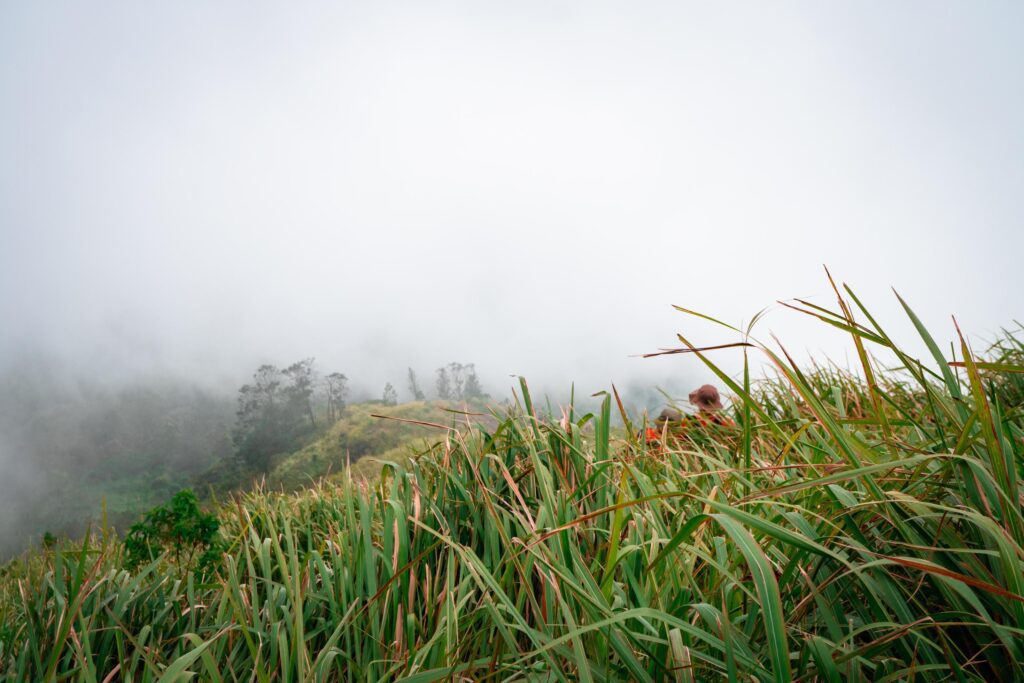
x=848 y=526
x=368 y=433
x=87 y=446
x=103 y=455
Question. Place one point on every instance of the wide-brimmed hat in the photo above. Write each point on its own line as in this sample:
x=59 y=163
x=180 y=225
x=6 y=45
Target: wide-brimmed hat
x=669 y=415
x=706 y=398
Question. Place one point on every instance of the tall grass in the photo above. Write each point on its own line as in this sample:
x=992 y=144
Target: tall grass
x=859 y=524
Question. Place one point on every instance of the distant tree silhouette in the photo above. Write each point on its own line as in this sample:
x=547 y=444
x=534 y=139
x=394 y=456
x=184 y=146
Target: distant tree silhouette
x=390 y=395
x=457 y=382
x=471 y=387
x=299 y=389
x=336 y=389
x=444 y=385
x=414 y=387
x=455 y=372
x=274 y=412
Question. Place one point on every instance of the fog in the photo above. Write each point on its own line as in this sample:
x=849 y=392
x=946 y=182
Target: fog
x=191 y=189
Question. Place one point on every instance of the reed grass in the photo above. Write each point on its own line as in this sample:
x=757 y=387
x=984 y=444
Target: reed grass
x=856 y=524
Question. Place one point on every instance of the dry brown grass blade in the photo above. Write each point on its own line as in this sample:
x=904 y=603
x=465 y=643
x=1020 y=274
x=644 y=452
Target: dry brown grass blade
x=969 y=580
x=413 y=422
x=668 y=352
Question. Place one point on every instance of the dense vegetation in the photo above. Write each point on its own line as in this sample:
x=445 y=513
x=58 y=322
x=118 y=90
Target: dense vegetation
x=853 y=525
x=71 y=442
x=98 y=448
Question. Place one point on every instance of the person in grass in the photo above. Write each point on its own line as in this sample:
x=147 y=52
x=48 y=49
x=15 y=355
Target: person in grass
x=708 y=403
x=709 y=406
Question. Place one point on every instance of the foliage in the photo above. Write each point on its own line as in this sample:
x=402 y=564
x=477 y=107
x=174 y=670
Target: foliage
x=274 y=413
x=298 y=391
x=853 y=526
x=471 y=388
x=458 y=382
x=81 y=440
x=181 y=531
x=390 y=397
x=444 y=385
x=336 y=391
x=414 y=387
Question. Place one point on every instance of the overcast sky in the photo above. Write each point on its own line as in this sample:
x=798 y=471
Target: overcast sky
x=530 y=186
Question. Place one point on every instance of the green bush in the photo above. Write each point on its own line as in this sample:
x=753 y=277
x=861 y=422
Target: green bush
x=181 y=531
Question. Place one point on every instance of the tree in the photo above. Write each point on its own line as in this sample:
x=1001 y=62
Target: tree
x=274 y=412
x=444 y=385
x=471 y=388
x=336 y=385
x=390 y=395
x=257 y=434
x=299 y=389
x=414 y=387
x=455 y=372
x=457 y=382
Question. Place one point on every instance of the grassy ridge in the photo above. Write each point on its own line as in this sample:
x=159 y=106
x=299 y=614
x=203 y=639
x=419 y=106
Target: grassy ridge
x=358 y=434
x=859 y=526
x=359 y=439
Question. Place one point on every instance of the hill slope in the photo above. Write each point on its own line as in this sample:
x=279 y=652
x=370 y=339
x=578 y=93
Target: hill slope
x=841 y=530
x=366 y=432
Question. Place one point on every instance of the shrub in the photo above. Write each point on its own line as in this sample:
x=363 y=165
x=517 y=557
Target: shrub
x=181 y=531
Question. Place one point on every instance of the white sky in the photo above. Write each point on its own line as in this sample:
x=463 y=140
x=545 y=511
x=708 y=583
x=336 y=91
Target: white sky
x=524 y=185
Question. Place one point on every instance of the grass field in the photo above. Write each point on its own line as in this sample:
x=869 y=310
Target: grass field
x=861 y=524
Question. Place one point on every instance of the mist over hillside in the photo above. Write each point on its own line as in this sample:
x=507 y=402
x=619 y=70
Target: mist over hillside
x=77 y=440
x=188 y=192
x=346 y=322
x=406 y=186
x=69 y=439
